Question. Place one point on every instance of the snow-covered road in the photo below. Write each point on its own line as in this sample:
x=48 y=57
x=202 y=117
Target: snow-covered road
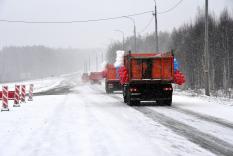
x=75 y=119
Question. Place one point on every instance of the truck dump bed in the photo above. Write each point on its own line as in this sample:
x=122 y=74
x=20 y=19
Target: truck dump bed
x=112 y=81
x=153 y=67
x=150 y=78
x=111 y=73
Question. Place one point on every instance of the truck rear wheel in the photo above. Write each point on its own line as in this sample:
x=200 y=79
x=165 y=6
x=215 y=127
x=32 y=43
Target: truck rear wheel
x=136 y=102
x=168 y=102
x=165 y=102
x=128 y=98
x=108 y=90
x=131 y=102
x=125 y=99
x=124 y=90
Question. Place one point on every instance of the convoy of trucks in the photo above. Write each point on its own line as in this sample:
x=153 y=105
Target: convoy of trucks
x=142 y=77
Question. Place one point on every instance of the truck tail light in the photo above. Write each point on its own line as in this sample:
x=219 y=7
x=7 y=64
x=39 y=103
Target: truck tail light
x=133 y=90
x=167 y=89
x=110 y=85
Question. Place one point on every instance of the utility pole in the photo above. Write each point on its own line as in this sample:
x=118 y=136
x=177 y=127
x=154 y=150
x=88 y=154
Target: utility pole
x=206 y=55
x=135 y=38
x=89 y=62
x=102 y=56
x=85 y=67
x=156 y=29
x=96 y=62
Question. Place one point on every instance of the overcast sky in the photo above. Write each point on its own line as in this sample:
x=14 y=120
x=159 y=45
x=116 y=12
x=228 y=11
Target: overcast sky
x=93 y=34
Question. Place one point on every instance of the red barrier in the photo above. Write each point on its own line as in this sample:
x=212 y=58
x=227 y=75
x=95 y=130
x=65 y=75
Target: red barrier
x=11 y=95
x=23 y=93
x=5 y=98
x=30 y=93
x=16 y=96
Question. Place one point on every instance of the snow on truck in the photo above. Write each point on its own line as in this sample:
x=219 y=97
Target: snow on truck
x=148 y=77
x=112 y=81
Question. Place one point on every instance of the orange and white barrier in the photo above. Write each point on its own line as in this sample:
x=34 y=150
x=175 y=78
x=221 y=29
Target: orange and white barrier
x=30 y=93
x=5 y=98
x=17 y=96
x=23 y=93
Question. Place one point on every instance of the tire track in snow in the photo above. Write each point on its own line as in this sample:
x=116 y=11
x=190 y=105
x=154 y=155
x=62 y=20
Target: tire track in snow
x=209 y=142
x=146 y=136
x=205 y=140
x=204 y=117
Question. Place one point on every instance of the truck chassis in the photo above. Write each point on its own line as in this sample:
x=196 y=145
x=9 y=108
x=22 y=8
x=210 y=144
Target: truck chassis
x=134 y=92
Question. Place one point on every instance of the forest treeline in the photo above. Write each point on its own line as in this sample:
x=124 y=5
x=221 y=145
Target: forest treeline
x=188 y=43
x=33 y=62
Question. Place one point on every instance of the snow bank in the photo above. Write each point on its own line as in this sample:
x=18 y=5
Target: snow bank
x=39 y=84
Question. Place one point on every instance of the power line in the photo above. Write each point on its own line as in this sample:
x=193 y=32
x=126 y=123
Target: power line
x=163 y=12
x=88 y=20
x=74 y=21
x=147 y=25
x=172 y=8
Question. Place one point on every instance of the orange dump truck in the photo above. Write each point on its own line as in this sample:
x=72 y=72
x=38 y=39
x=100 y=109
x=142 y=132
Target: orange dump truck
x=96 y=77
x=149 y=78
x=112 y=82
